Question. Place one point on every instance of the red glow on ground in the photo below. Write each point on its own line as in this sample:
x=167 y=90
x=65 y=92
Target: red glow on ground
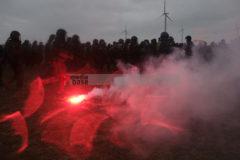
x=35 y=98
x=53 y=114
x=77 y=99
x=74 y=129
x=20 y=127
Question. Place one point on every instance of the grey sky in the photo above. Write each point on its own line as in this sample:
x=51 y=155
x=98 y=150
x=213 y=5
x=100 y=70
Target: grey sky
x=37 y=19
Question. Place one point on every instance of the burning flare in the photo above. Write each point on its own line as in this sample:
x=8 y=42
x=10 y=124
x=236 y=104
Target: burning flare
x=77 y=99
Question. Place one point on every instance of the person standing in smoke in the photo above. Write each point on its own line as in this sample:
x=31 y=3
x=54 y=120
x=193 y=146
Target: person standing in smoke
x=205 y=52
x=153 y=47
x=13 y=50
x=126 y=50
x=134 y=50
x=164 y=44
x=171 y=42
x=144 y=50
x=188 y=46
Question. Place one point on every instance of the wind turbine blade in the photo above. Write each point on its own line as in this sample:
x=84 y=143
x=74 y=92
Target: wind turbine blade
x=169 y=18
x=164 y=6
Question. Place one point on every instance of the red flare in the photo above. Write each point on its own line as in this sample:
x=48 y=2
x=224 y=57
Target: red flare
x=77 y=99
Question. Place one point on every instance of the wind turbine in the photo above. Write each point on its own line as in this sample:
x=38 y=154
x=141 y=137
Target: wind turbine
x=166 y=17
x=182 y=34
x=125 y=32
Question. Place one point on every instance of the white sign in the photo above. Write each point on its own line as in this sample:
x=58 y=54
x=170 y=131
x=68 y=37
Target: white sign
x=92 y=79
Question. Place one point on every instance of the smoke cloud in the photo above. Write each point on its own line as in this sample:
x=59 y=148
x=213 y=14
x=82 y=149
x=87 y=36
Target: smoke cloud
x=159 y=103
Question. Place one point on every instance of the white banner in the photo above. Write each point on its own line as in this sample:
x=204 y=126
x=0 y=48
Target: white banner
x=92 y=79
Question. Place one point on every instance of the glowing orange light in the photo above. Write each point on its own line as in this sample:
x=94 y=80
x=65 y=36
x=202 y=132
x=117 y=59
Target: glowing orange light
x=77 y=99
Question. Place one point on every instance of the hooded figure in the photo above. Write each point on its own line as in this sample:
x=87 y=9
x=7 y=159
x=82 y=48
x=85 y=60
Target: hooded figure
x=58 y=64
x=164 y=46
x=13 y=50
x=188 y=47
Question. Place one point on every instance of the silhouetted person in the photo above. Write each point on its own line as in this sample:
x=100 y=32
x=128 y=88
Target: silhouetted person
x=49 y=49
x=69 y=40
x=127 y=50
x=103 y=56
x=14 y=55
x=60 y=43
x=164 y=46
x=1 y=64
x=26 y=47
x=61 y=56
x=40 y=53
x=213 y=45
x=171 y=42
x=206 y=52
x=144 y=50
x=114 y=53
x=188 y=47
x=49 y=56
x=119 y=51
x=86 y=47
x=153 y=47
x=75 y=49
x=94 y=61
x=34 y=54
x=223 y=44
x=134 y=50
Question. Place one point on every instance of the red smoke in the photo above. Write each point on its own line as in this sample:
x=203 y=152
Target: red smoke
x=73 y=129
x=35 y=98
x=32 y=104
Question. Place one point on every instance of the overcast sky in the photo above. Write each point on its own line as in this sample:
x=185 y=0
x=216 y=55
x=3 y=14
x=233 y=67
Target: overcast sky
x=37 y=19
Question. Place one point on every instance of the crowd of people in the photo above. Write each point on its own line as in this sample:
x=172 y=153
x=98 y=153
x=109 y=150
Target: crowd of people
x=62 y=54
